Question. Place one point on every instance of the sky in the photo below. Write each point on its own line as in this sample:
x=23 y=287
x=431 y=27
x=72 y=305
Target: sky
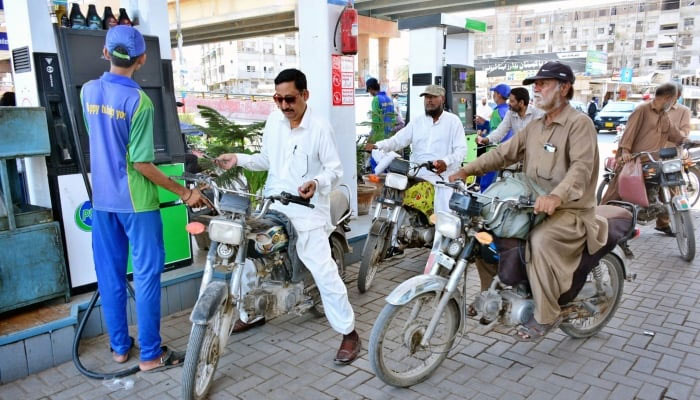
x=549 y=4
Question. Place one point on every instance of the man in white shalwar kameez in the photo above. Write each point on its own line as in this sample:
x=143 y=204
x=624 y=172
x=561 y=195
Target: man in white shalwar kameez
x=436 y=136
x=300 y=155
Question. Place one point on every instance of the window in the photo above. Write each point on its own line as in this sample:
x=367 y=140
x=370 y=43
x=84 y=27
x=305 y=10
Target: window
x=636 y=62
x=665 y=45
x=669 y=27
x=544 y=20
x=584 y=48
x=576 y=16
x=611 y=29
x=572 y=48
x=517 y=38
x=221 y=69
x=638 y=44
x=687 y=41
x=641 y=7
x=599 y=47
x=601 y=31
x=649 y=62
x=613 y=11
x=650 y=44
x=543 y=36
x=611 y=47
x=602 y=13
x=528 y=39
x=670 y=5
x=250 y=68
x=489 y=28
x=585 y=33
x=541 y=51
x=689 y=23
x=528 y=22
x=640 y=26
x=685 y=61
x=574 y=32
x=664 y=65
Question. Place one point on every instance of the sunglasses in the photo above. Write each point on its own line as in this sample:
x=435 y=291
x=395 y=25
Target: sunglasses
x=287 y=99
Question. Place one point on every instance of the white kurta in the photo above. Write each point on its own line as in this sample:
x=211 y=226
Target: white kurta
x=293 y=157
x=431 y=141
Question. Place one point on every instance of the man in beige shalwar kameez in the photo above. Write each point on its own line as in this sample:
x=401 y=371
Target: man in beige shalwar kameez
x=560 y=153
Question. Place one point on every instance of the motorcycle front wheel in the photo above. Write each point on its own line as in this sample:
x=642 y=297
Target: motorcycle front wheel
x=611 y=276
x=685 y=234
x=395 y=349
x=693 y=185
x=203 y=353
x=372 y=254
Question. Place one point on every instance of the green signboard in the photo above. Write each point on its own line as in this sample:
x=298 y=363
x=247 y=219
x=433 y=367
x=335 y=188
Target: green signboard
x=475 y=25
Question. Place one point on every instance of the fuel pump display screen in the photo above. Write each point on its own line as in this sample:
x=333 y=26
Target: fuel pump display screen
x=464 y=79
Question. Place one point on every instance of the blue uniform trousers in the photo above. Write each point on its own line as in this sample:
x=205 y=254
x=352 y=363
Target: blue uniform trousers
x=112 y=233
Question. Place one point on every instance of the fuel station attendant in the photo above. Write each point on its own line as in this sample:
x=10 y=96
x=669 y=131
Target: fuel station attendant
x=119 y=119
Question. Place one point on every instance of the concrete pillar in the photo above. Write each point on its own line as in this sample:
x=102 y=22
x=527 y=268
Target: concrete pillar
x=316 y=19
x=383 y=61
x=362 y=59
x=153 y=20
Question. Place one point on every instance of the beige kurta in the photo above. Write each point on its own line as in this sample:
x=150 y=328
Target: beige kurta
x=648 y=129
x=563 y=159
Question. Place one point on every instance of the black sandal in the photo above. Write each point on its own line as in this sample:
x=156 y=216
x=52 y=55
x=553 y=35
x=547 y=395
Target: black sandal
x=168 y=359
x=114 y=354
x=471 y=311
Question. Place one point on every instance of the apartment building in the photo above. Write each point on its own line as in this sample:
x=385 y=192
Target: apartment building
x=247 y=66
x=646 y=35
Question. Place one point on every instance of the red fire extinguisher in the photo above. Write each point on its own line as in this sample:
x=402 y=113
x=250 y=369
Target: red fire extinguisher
x=348 y=30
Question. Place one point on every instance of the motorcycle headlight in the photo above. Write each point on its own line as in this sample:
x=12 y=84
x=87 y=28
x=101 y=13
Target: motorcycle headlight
x=448 y=225
x=396 y=181
x=669 y=167
x=224 y=231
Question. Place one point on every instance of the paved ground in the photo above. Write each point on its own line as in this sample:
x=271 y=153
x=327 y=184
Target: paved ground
x=291 y=357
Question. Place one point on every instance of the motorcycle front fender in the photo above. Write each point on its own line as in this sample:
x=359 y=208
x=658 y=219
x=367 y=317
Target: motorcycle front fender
x=680 y=203
x=379 y=226
x=416 y=286
x=206 y=305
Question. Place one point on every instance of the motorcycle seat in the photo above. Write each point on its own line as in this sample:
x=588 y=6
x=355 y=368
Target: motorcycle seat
x=511 y=266
x=340 y=203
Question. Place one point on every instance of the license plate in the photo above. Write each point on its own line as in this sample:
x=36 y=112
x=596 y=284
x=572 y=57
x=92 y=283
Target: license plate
x=444 y=260
x=608 y=124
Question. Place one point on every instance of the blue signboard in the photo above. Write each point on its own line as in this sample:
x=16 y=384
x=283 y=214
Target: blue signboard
x=4 y=44
x=626 y=75
x=340 y=2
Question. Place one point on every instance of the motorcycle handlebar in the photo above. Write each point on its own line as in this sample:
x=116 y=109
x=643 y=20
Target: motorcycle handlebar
x=286 y=198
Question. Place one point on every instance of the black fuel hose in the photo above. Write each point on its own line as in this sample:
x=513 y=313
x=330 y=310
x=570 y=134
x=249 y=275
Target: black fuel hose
x=76 y=345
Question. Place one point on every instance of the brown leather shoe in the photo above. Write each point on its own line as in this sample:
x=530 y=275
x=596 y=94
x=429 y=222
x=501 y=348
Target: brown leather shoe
x=349 y=349
x=241 y=326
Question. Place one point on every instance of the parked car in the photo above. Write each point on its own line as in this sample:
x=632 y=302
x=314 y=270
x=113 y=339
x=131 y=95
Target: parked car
x=613 y=114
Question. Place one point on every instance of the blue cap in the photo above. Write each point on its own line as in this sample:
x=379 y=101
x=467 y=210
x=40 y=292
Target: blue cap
x=127 y=37
x=502 y=89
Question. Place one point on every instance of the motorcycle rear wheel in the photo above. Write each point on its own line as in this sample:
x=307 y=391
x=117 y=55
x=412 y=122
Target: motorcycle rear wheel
x=685 y=234
x=372 y=254
x=613 y=277
x=601 y=190
x=394 y=344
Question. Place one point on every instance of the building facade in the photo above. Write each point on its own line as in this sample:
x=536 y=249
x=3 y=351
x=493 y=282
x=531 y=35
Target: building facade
x=247 y=66
x=648 y=36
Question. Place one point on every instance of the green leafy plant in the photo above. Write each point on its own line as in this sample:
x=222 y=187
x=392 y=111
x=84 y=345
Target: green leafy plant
x=224 y=136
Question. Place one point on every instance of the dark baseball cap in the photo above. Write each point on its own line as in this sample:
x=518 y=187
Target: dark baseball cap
x=372 y=83
x=553 y=70
x=126 y=37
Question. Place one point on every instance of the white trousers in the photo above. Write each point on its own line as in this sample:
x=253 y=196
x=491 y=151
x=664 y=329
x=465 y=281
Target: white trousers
x=315 y=252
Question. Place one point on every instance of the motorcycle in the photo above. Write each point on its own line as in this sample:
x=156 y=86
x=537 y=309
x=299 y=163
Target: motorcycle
x=424 y=315
x=401 y=217
x=280 y=286
x=667 y=182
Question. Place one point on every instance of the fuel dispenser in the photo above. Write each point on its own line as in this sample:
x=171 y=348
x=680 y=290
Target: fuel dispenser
x=50 y=65
x=441 y=53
